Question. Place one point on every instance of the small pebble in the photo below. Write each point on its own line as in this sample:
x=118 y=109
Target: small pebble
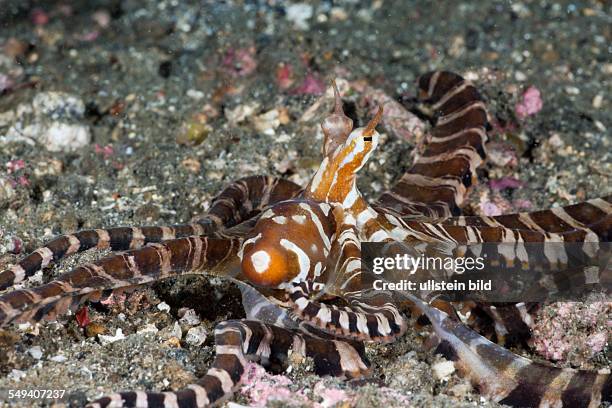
x=299 y=14
x=102 y=18
x=163 y=307
x=60 y=358
x=338 y=14
x=176 y=330
x=195 y=94
x=53 y=121
x=598 y=101
x=104 y=339
x=267 y=122
x=520 y=76
x=192 y=165
x=556 y=141
x=169 y=332
x=94 y=329
x=35 y=352
x=66 y=137
x=16 y=375
x=240 y=113
x=443 y=370
x=148 y=328
x=600 y=126
x=572 y=90
x=461 y=390
x=192 y=133
x=173 y=342
x=196 y=335
x=189 y=317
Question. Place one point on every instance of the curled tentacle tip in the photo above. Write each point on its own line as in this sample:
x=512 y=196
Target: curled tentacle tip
x=371 y=126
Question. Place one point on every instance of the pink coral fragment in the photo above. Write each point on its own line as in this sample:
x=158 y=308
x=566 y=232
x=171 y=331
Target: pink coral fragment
x=331 y=397
x=14 y=165
x=15 y=246
x=102 y=18
x=576 y=334
x=240 y=62
x=597 y=341
x=107 y=151
x=504 y=183
x=23 y=181
x=530 y=103
x=490 y=209
x=502 y=154
x=114 y=299
x=89 y=36
x=396 y=119
x=312 y=85
x=284 y=75
x=6 y=83
x=39 y=17
x=522 y=204
x=262 y=387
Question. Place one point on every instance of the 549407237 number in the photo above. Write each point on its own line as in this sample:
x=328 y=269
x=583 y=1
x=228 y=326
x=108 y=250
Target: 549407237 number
x=35 y=394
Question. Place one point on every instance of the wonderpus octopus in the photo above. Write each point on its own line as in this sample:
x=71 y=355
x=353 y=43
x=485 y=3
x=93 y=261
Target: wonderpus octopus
x=295 y=253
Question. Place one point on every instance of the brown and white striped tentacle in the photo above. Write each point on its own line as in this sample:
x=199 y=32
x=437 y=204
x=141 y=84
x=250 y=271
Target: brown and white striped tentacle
x=265 y=309
x=247 y=197
x=508 y=378
x=239 y=340
x=358 y=321
x=409 y=230
x=505 y=323
x=116 y=239
x=510 y=322
x=594 y=217
x=436 y=185
x=342 y=272
x=193 y=254
x=239 y=201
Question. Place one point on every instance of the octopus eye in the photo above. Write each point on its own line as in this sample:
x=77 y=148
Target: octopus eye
x=368 y=131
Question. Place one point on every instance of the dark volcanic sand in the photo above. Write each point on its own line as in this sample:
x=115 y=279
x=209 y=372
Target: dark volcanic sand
x=156 y=67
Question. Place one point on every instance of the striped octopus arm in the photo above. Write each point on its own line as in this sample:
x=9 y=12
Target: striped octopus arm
x=193 y=254
x=237 y=202
x=511 y=379
x=436 y=185
x=237 y=341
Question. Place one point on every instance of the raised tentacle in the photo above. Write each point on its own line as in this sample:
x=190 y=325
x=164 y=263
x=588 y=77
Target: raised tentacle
x=237 y=341
x=249 y=196
x=238 y=202
x=136 y=267
x=436 y=185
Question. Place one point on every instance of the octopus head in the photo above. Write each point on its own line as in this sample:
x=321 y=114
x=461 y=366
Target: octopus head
x=290 y=241
x=335 y=179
